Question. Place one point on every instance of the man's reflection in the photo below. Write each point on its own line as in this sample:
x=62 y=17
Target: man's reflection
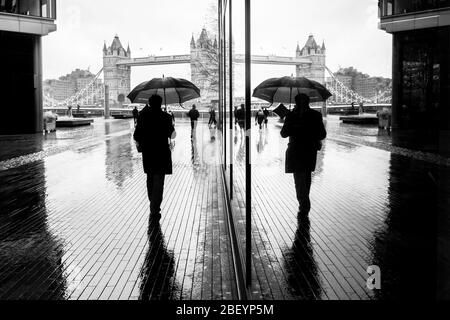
x=195 y=158
x=158 y=269
x=262 y=140
x=301 y=265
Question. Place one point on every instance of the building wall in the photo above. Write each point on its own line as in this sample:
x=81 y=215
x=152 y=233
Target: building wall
x=21 y=83
x=421 y=106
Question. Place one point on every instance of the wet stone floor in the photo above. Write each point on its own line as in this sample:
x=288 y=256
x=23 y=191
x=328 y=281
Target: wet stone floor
x=373 y=204
x=74 y=218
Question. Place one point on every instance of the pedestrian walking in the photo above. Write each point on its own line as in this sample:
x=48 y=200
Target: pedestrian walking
x=135 y=115
x=69 y=112
x=172 y=115
x=212 y=118
x=259 y=118
x=305 y=129
x=193 y=114
x=240 y=117
x=153 y=130
x=266 y=117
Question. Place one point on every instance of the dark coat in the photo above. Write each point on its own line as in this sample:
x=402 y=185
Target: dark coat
x=305 y=133
x=194 y=114
x=153 y=130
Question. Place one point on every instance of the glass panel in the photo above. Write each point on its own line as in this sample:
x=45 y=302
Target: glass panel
x=38 y=8
x=421 y=82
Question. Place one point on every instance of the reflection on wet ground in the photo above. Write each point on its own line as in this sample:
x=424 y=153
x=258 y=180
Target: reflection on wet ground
x=74 y=219
x=373 y=204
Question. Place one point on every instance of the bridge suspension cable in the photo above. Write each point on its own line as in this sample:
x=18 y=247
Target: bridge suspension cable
x=86 y=95
x=346 y=95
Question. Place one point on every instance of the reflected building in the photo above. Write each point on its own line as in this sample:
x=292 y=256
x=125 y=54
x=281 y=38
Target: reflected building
x=409 y=247
x=30 y=255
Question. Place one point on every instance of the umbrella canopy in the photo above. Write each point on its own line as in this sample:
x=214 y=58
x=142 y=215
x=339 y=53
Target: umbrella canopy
x=172 y=90
x=284 y=90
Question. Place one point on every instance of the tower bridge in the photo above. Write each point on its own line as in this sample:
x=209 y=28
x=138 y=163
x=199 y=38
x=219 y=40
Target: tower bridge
x=309 y=62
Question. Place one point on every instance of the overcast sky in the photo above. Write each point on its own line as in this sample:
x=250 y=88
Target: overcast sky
x=163 y=27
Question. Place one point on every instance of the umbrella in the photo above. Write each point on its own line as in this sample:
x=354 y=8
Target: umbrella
x=172 y=90
x=284 y=90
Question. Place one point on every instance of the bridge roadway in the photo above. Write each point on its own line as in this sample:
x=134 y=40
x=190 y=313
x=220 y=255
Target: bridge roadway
x=74 y=210
x=186 y=59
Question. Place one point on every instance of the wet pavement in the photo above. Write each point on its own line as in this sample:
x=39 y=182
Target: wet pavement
x=372 y=204
x=74 y=218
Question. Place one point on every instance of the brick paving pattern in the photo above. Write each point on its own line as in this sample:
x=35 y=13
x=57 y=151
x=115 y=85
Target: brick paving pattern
x=74 y=218
x=74 y=221
x=372 y=204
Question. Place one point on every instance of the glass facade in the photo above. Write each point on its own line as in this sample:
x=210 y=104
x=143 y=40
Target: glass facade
x=421 y=83
x=397 y=7
x=234 y=128
x=36 y=8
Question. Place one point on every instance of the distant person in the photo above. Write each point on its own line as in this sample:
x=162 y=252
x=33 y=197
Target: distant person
x=235 y=118
x=212 y=117
x=193 y=114
x=240 y=117
x=305 y=129
x=266 y=117
x=69 y=112
x=153 y=130
x=135 y=115
x=170 y=112
x=353 y=106
x=78 y=108
x=259 y=118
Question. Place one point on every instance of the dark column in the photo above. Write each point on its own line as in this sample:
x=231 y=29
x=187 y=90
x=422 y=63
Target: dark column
x=396 y=81
x=248 y=128
x=21 y=83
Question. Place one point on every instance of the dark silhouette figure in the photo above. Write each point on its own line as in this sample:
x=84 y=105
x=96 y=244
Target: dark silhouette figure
x=212 y=117
x=193 y=114
x=303 y=278
x=305 y=130
x=158 y=269
x=240 y=117
x=266 y=116
x=153 y=130
x=135 y=115
x=259 y=118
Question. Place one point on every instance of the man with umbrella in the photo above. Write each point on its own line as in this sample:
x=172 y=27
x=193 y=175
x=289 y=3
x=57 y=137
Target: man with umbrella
x=193 y=114
x=153 y=130
x=305 y=129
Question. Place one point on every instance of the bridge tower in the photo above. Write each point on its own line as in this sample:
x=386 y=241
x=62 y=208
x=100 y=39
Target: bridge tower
x=317 y=55
x=118 y=78
x=204 y=65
